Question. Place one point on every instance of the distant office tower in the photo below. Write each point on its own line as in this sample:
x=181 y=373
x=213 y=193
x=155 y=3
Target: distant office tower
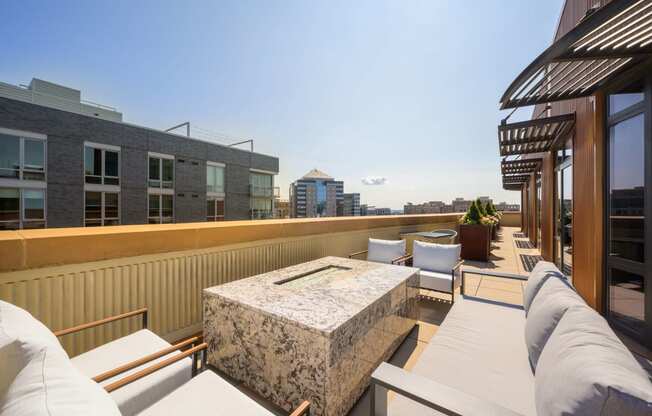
x=383 y=211
x=351 y=205
x=363 y=210
x=316 y=194
x=504 y=206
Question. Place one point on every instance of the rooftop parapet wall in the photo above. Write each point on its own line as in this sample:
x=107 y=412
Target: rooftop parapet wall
x=29 y=249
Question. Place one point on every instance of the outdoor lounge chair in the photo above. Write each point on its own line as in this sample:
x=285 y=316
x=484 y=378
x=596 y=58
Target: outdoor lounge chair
x=383 y=251
x=38 y=378
x=439 y=266
x=555 y=355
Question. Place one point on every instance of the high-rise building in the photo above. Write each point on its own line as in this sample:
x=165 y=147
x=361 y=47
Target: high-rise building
x=351 y=205
x=65 y=162
x=316 y=194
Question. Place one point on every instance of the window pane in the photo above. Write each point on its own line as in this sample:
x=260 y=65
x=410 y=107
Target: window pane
x=567 y=222
x=111 y=163
x=629 y=96
x=154 y=205
x=34 y=204
x=34 y=155
x=166 y=206
x=111 y=205
x=627 y=173
x=627 y=298
x=210 y=178
x=168 y=170
x=154 y=168
x=219 y=208
x=9 y=205
x=93 y=205
x=9 y=156
x=219 y=179
x=210 y=209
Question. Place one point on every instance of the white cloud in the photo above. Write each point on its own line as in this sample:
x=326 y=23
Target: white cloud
x=374 y=180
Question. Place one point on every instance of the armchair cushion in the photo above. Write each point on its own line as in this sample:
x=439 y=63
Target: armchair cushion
x=140 y=394
x=435 y=257
x=49 y=385
x=585 y=369
x=440 y=282
x=550 y=304
x=543 y=271
x=384 y=251
x=192 y=399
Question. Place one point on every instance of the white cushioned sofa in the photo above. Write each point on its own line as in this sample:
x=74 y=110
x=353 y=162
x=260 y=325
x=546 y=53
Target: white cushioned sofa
x=553 y=356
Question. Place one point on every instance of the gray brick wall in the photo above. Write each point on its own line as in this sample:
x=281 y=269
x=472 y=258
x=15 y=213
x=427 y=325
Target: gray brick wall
x=67 y=132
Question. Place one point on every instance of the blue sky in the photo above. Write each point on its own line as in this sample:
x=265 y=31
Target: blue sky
x=405 y=90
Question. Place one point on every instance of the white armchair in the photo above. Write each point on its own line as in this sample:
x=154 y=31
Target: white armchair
x=439 y=264
x=383 y=251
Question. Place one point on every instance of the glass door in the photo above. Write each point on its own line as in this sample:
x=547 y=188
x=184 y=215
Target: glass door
x=628 y=212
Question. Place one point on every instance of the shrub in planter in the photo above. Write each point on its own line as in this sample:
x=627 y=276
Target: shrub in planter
x=475 y=235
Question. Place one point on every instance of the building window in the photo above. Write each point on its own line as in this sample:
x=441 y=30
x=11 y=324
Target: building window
x=261 y=190
x=101 y=164
x=101 y=208
x=214 y=209
x=21 y=158
x=22 y=208
x=161 y=171
x=160 y=198
x=214 y=178
x=160 y=209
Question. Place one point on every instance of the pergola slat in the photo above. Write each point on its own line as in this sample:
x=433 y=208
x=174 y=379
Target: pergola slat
x=533 y=136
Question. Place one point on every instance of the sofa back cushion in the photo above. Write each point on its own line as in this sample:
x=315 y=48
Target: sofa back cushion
x=439 y=258
x=555 y=297
x=384 y=251
x=543 y=271
x=18 y=324
x=48 y=384
x=584 y=369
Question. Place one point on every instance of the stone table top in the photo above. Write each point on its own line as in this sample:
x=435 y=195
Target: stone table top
x=321 y=302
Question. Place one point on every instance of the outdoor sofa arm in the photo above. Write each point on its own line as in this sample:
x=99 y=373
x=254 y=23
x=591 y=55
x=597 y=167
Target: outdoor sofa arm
x=405 y=260
x=429 y=393
x=482 y=272
x=142 y=311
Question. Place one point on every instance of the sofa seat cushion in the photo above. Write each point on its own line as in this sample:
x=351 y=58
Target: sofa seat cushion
x=142 y=393
x=436 y=281
x=384 y=251
x=435 y=257
x=479 y=350
x=543 y=271
x=555 y=297
x=585 y=369
x=207 y=394
x=48 y=384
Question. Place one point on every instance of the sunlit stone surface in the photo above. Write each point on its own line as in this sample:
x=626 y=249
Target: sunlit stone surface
x=317 y=337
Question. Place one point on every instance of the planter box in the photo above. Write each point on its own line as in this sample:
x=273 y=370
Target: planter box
x=476 y=242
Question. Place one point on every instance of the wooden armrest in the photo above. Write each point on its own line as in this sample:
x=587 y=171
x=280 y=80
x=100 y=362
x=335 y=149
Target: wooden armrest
x=504 y=275
x=136 y=363
x=302 y=409
x=432 y=394
x=357 y=253
x=403 y=259
x=81 y=327
x=149 y=370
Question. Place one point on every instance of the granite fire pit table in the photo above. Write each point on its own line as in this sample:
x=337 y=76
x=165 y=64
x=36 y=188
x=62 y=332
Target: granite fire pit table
x=314 y=331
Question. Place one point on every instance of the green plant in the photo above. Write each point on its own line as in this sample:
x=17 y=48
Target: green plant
x=489 y=209
x=480 y=206
x=472 y=216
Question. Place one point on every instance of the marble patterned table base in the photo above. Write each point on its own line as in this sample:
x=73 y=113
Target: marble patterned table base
x=320 y=342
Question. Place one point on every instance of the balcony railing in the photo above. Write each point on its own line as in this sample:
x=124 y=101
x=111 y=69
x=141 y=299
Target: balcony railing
x=262 y=191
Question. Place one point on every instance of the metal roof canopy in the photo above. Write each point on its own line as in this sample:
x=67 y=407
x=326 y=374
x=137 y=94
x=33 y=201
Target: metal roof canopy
x=519 y=167
x=533 y=136
x=605 y=43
